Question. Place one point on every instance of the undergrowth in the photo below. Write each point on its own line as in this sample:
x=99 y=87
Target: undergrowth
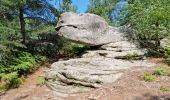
x=167 y=55
x=163 y=70
x=149 y=77
x=159 y=71
x=11 y=75
x=21 y=63
x=73 y=49
x=41 y=80
x=164 y=89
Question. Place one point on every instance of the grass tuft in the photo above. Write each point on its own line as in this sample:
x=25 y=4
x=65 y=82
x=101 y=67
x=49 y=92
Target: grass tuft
x=164 y=89
x=148 y=77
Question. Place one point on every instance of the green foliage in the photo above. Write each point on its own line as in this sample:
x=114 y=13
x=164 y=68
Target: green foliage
x=10 y=80
x=27 y=20
x=14 y=60
x=41 y=80
x=9 y=43
x=148 y=21
x=168 y=60
x=149 y=77
x=21 y=64
x=44 y=41
x=159 y=71
x=77 y=48
x=163 y=70
x=167 y=55
x=41 y=28
x=164 y=89
x=66 y=6
x=74 y=49
x=151 y=52
x=167 y=51
x=40 y=58
x=103 y=8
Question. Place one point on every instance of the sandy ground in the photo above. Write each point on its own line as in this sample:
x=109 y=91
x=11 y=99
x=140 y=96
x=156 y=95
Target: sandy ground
x=131 y=86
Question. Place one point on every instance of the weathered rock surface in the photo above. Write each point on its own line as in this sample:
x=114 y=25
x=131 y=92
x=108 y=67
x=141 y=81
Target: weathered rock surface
x=96 y=67
x=87 y=28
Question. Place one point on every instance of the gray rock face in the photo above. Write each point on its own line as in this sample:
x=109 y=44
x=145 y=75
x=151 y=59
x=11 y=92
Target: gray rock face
x=94 y=69
x=87 y=28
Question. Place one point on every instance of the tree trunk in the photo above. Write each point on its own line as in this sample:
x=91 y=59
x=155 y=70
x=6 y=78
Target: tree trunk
x=22 y=24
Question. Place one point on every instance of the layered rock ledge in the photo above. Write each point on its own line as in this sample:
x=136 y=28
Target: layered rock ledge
x=96 y=67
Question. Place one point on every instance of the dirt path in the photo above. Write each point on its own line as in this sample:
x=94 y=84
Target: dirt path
x=130 y=87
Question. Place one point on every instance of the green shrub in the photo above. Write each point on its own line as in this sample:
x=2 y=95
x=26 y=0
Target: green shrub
x=160 y=71
x=41 y=80
x=167 y=51
x=74 y=49
x=103 y=8
x=168 y=60
x=39 y=58
x=77 y=49
x=22 y=63
x=149 y=77
x=167 y=70
x=148 y=21
x=10 y=80
x=167 y=55
x=159 y=52
x=164 y=89
x=163 y=70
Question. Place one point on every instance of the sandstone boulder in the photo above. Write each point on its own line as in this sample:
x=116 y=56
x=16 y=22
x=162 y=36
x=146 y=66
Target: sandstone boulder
x=87 y=28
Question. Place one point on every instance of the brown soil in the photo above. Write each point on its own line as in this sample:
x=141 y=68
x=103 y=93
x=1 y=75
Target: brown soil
x=130 y=87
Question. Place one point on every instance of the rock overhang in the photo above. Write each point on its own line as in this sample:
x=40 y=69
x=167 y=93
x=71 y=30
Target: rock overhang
x=89 y=29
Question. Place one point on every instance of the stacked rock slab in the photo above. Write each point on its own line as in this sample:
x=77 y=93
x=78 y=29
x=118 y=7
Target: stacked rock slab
x=96 y=67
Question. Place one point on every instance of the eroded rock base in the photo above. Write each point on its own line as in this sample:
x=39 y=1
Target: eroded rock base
x=95 y=68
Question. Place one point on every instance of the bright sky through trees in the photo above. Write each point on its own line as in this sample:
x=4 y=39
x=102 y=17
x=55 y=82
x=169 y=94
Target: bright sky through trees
x=81 y=4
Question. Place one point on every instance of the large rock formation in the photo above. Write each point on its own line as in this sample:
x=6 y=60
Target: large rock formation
x=96 y=67
x=86 y=28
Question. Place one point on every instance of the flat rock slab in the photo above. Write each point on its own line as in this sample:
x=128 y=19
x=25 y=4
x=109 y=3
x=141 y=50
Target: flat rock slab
x=95 y=69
